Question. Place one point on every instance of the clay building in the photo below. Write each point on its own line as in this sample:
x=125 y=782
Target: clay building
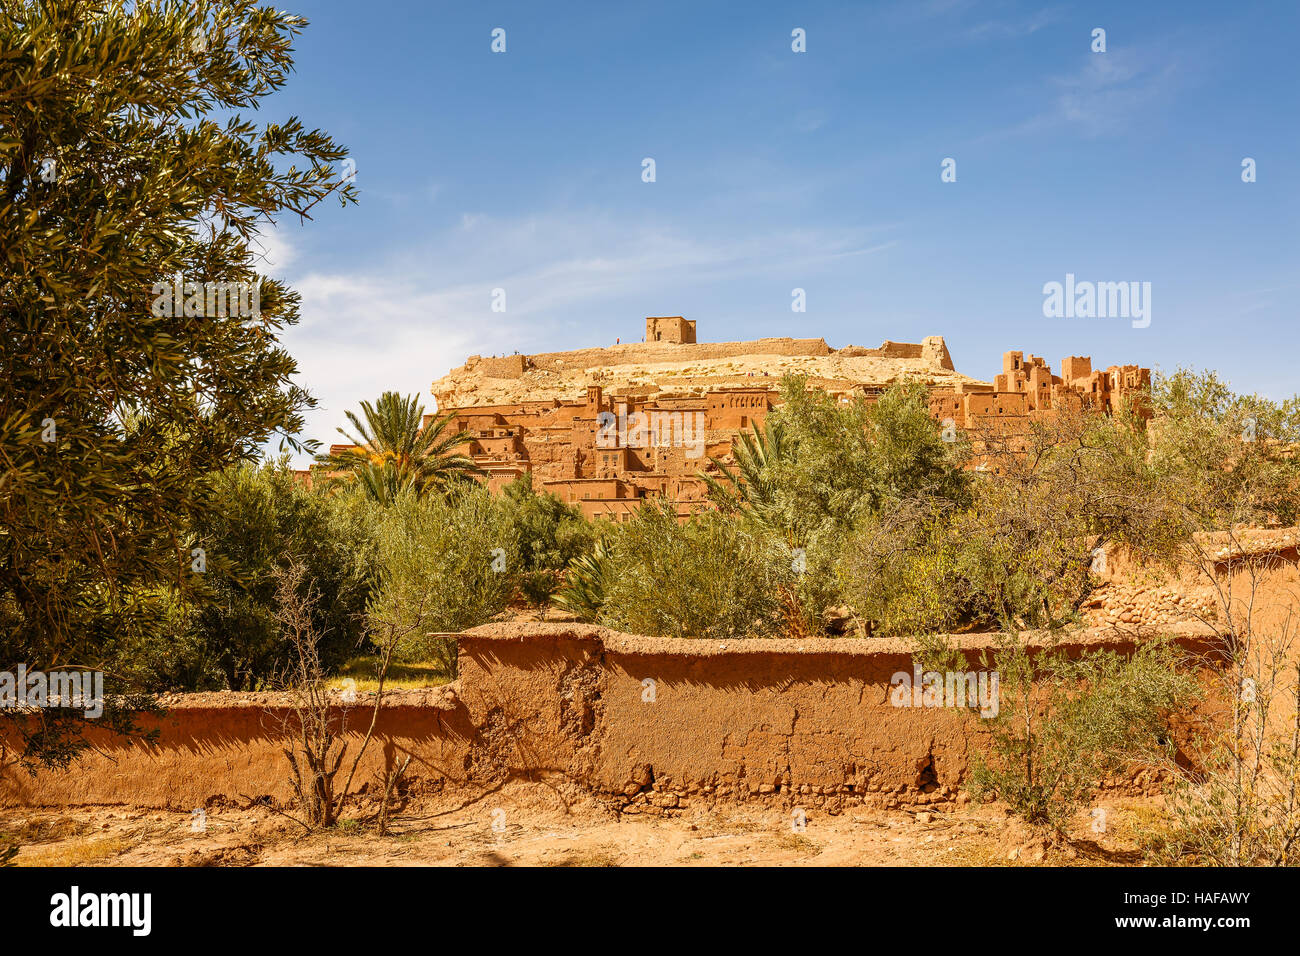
x=606 y=428
x=670 y=328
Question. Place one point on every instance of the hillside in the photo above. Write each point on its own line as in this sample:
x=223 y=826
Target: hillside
x=654 y=369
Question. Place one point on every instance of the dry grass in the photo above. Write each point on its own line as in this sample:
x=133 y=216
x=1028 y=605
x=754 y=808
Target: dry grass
x=799 y=843
x=414 y=676
x=721 y=824
x=974 y=853
x=73 y=852
x=43 y=829
x=595 y=858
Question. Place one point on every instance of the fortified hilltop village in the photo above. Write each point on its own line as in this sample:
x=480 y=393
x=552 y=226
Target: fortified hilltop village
x=606 y=428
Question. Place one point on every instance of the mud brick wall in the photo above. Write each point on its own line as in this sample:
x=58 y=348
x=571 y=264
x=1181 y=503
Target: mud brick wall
x=657 y=724
x=672 y=352
x=648 y=724
x=228 y=749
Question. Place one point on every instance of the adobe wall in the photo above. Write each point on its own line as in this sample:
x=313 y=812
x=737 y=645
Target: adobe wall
x=227 y=748
x=897 y=350
x=1258 y=570
x=935 y=351
x=660 y=723
x=506 y=366
x=738 y=720
x=651 y=352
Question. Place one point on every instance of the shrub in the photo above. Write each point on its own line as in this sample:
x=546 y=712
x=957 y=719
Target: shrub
x=226 y=634
x=444 y=564
x=549 y=532
x=1064 y=724
x=538 y=586
x=1239 y=805
x=586 y=584
x=709 y=577
x=843 y=461
x=900 y=571
x=1018 y=552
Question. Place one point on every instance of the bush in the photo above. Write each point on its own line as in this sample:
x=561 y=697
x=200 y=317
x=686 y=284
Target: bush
x=549 y=532
x=900 y=571
x=226 y=635
x=1064 y=724
x=1222 y=458
x=1018 y=553
x=709 y=577
x=586 y=584
x=538 y=586
x=845 y=461
x=444 y=564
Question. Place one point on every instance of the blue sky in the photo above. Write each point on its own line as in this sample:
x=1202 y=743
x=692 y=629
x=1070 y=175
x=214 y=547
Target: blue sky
x=775 y=170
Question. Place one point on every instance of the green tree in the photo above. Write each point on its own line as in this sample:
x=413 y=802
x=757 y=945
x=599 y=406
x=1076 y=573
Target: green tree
x=819 y=464
x=901 y=571
x=1228 y=463
x=1019 y=552
x=267 y=519
x=821 y=468
x=126 y=167
x=586 y=584
x=551 y=532
x=750 y=487
x=226 y=635
x=1223 y=458
x=550 y=535
x=848 y=459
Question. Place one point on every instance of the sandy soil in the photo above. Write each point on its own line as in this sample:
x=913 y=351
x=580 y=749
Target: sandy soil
x=529 y=825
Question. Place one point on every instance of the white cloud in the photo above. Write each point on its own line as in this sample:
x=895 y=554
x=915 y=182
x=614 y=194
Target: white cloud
x=1013 y=29
x=361 y=335
x=1109 y=94
x=1111 y=88
x=406 y=323
x=272 y=250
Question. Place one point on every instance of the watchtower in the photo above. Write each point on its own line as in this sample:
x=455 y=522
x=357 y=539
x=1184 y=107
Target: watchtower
x=670 y=328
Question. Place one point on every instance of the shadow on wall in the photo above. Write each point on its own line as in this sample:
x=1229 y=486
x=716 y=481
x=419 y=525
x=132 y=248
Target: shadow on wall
x=650 y=724
x=233 y=753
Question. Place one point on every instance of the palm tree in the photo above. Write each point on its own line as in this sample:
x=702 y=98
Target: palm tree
x=750 y=488
x=393 y=450
x=383 y=482
x=751 y=491
x=586 y=584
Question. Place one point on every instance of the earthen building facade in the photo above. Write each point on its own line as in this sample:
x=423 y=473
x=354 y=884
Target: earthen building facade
x=607 y=428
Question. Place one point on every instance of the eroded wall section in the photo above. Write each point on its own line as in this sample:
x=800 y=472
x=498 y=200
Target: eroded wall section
x=647 y=724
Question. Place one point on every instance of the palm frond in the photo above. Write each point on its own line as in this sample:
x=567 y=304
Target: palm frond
x=749 y=488
x=394 y=449
x=585 y=586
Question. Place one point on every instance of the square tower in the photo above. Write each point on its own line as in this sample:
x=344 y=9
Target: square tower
x=670 y=328
x=1076 y=368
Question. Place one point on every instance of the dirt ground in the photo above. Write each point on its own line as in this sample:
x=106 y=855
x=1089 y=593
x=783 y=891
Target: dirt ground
x=529 y=825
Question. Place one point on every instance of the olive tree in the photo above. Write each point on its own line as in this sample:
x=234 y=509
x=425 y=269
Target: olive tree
x=140 y=350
